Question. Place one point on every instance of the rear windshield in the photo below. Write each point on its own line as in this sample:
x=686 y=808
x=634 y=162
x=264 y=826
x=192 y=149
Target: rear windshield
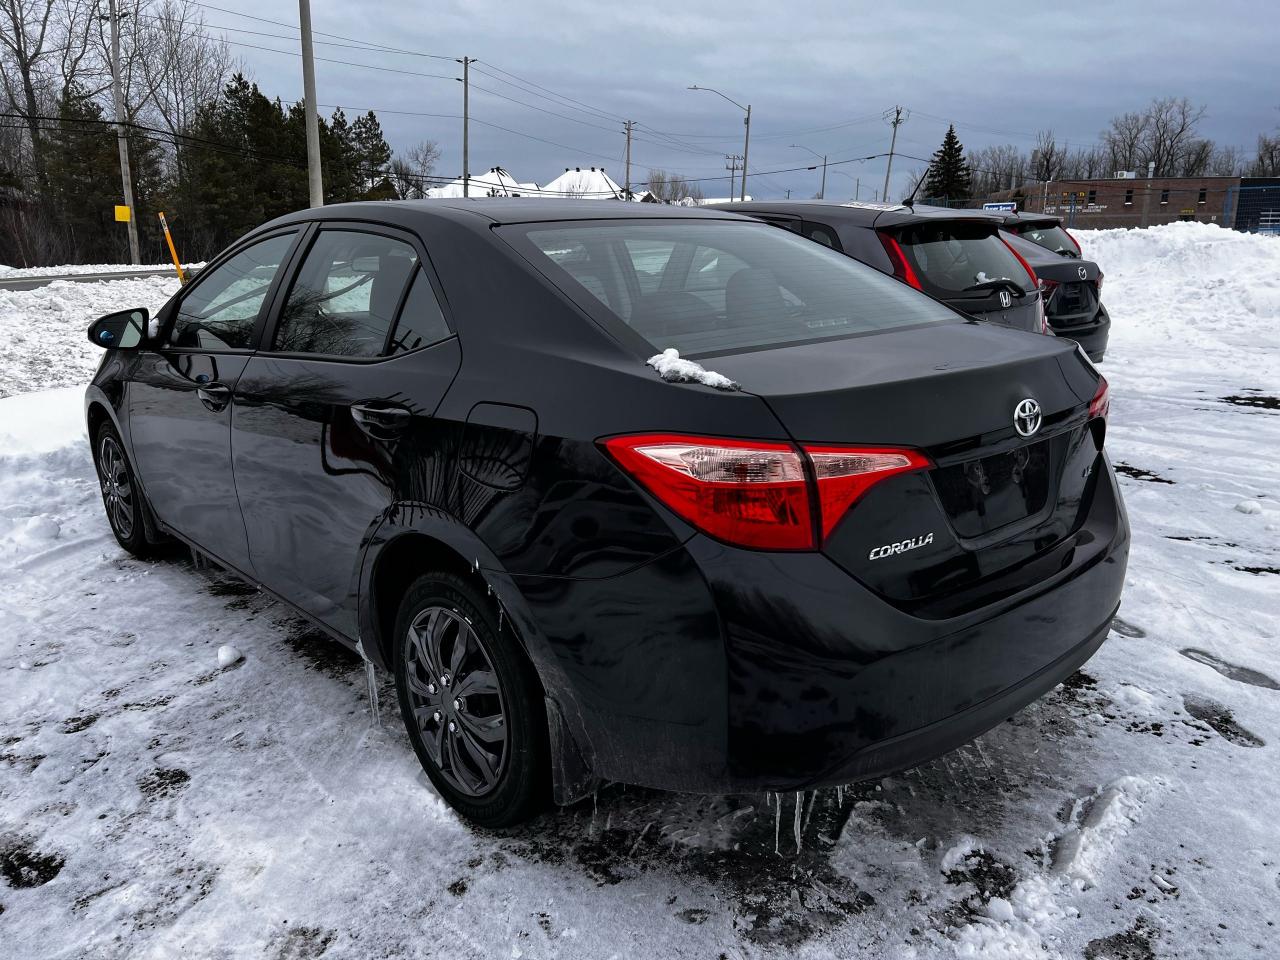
x=718 y=286
x=1051 y=238
x=959 y=260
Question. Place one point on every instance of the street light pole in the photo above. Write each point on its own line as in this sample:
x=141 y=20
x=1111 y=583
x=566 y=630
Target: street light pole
x=822 y=190
x=746 y=143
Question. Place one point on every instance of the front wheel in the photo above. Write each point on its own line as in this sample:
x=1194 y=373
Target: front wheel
x=470 y=703
x=121 y=496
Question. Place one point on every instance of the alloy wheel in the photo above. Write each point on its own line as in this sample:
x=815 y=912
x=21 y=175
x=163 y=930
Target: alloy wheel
x=456 y=699
x=117 y=490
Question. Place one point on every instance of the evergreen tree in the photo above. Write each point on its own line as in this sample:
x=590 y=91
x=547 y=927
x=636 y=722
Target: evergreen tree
x=948 y=177
x=373 y=155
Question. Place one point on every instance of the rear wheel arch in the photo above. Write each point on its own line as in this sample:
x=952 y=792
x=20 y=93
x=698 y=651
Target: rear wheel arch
x=397 y=565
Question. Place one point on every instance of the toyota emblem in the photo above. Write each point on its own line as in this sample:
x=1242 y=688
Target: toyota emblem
x=1026 y=418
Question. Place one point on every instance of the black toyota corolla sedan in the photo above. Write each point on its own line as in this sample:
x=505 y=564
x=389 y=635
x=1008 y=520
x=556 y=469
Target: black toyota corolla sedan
x=955 y=255
x=847 y=530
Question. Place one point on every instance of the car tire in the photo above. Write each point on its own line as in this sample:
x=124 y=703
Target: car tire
x=122 y=498
x=471 y=702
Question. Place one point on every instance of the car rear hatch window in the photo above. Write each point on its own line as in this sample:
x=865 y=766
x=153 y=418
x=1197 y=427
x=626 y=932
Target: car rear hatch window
x=963 y=262
x=708 y=286
x=1050 y=236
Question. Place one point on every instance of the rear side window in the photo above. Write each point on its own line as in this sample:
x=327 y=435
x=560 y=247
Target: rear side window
x=1051 y=238
x=421 y=320
x=955 y=259
x=346 y=294
x=221 y=309
x=718 y=286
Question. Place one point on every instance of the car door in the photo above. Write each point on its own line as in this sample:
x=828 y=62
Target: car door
x=178 y=398
x=333 y=416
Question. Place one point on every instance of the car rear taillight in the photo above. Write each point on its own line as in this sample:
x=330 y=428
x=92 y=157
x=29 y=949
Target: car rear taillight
x=901 y=269
x=1098 y=284
x=1100 y=405
x=757 y=494
x=844 y=474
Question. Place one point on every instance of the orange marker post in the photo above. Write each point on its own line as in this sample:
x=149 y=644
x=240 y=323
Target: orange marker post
x=177 y=265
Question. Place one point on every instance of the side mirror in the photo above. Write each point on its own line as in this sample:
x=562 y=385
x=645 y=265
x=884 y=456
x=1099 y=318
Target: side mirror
x=120 y=331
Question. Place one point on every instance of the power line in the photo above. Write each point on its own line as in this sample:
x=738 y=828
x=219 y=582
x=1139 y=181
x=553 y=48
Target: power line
x=365 y=66
x=320 y=33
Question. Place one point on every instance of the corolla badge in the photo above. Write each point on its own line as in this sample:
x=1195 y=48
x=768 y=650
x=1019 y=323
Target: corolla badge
x=1006 y=301
x=902 y=546
x=1026 y=417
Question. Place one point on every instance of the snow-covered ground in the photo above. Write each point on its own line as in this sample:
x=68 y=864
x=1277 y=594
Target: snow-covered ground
x=155 y=804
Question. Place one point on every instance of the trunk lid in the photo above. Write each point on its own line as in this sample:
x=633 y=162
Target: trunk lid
x=992 y=500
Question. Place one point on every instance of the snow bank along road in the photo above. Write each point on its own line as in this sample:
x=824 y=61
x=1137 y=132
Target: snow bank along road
x=153 y=804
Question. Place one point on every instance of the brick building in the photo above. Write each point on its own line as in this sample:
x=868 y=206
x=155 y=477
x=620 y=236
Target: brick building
x=1131 y=201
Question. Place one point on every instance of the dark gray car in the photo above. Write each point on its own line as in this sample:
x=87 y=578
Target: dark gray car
x=956 y=256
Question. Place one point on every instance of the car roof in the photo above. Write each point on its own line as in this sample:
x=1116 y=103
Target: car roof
x=505 y=210
x=857 y=213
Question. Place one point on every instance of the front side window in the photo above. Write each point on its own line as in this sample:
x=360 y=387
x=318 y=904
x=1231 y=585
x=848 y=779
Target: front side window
x=221 y=309
x=718 y=286
x=346 y=294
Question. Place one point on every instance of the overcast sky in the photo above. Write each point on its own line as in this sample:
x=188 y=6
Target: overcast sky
x=1000 y=74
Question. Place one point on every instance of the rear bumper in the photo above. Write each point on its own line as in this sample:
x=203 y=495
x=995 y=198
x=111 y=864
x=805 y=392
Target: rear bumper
x=1092 y=334
x=741 y=671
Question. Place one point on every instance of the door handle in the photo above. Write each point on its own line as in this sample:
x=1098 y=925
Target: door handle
x=381 y=420
x=214 y=395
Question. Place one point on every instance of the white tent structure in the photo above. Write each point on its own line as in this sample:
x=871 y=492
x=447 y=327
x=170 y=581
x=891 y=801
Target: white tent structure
x=495 y=182
x=589 y=184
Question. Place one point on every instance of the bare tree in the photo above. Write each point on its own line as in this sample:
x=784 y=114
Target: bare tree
x=1267 y=161
x=411 y=171
x=26 y=49
x=185 y=66
x=1171 y=133
x=671 y=187
x=1124 y=140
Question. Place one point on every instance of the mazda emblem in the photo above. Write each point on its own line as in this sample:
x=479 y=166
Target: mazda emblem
x=1084 y=274
x=1026 y=417
x=1005 y=299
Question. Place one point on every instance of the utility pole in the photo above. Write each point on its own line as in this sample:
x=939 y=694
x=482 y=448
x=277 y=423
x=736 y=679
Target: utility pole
x=857 y=188
x=315 y=181
x=746 y=144
x=626 y=193
x=466 y=124
x=732 y=167
x=122 y=141
x=897 y=120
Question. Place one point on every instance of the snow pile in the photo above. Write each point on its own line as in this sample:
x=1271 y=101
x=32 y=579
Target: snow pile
x=495 y=182
x=44 y=330
x=73 y=269
x=589 y=184
x=674 y=370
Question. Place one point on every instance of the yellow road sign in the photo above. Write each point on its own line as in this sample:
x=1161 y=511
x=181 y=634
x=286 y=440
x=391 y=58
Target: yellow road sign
x=123 y=214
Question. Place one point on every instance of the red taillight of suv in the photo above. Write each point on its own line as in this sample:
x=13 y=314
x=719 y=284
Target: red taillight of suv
x=901 y=268
x=1100 y=405
x=765 y=495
